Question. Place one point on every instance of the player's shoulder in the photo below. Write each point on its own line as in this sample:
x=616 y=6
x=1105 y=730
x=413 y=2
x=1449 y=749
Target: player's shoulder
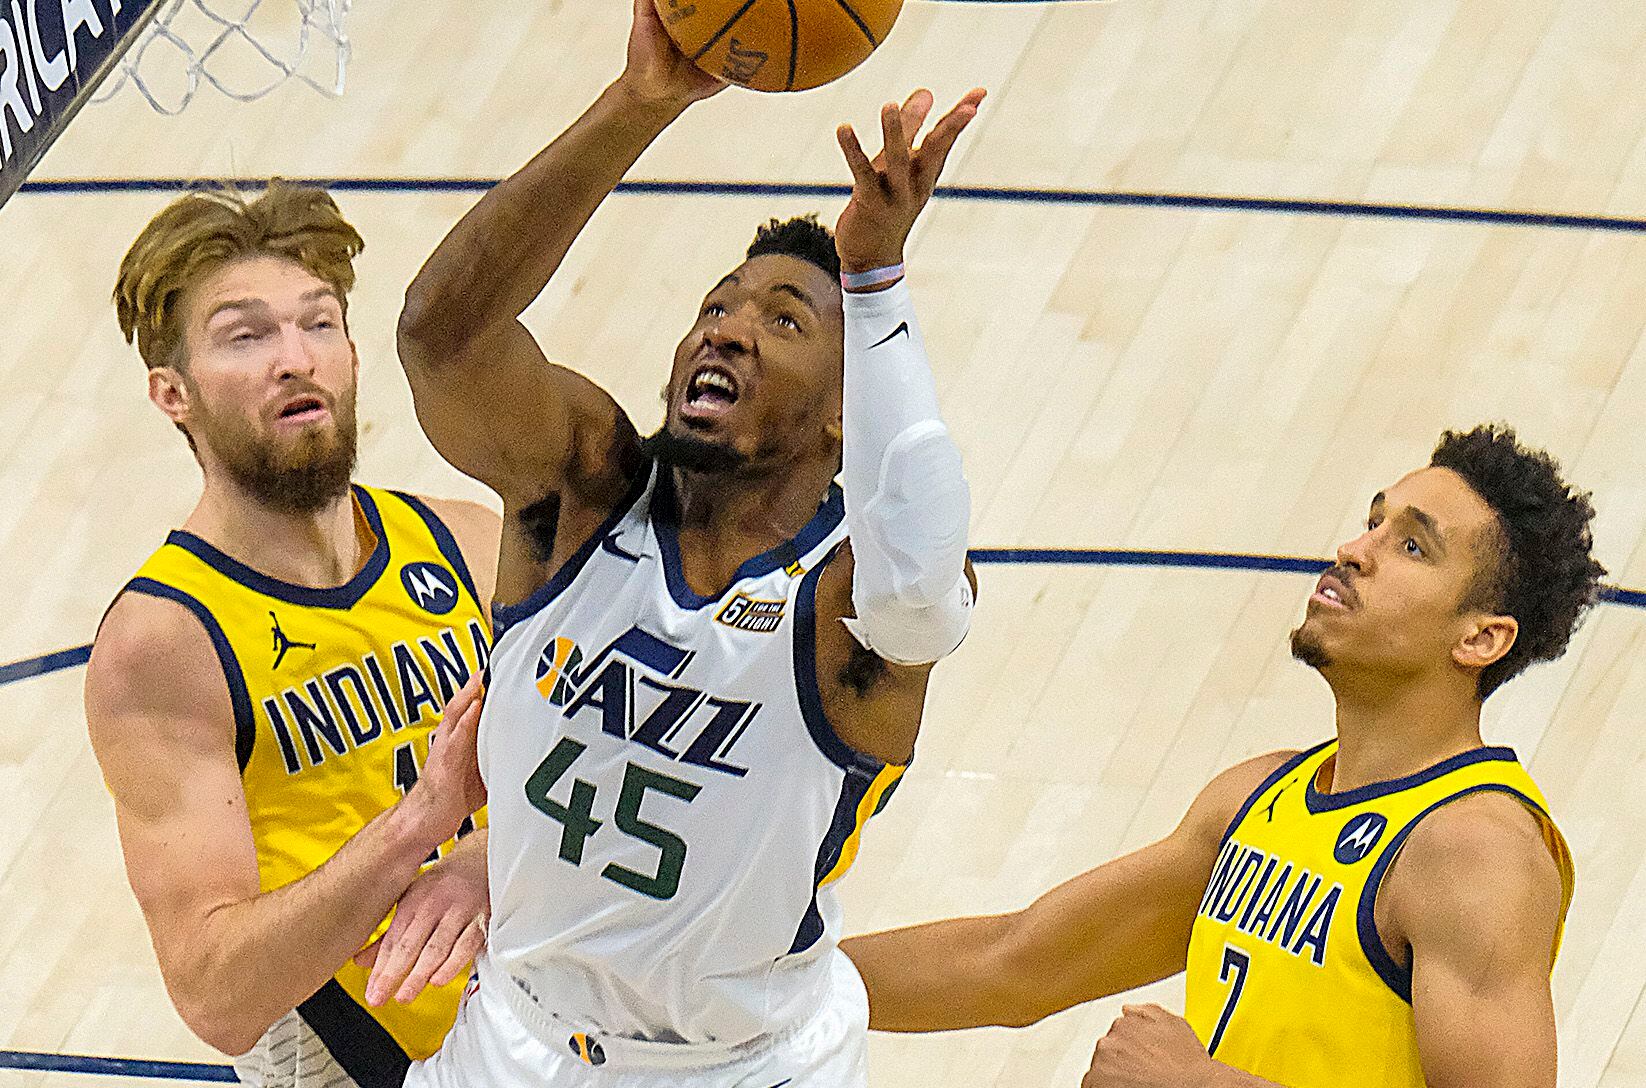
x=462 y=513
x=1221 y=800
x=1487 y=835
x=150 y=652
x=1476 y=865
x=1235 y=785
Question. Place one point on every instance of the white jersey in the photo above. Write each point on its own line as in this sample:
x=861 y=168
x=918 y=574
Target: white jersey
x=668 y=801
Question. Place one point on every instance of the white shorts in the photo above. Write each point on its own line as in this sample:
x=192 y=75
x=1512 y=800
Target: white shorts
x=497 y=1043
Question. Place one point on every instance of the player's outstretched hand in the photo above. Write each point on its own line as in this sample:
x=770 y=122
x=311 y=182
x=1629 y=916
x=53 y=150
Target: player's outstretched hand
x=439 y=927
x=1149 y=1047
x=657 y=70
x=889 y=191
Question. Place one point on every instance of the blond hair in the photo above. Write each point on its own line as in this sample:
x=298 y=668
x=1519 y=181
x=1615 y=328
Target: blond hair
x=199 y=233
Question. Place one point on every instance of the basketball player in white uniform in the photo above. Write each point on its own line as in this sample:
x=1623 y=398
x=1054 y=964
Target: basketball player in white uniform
x=700 y=688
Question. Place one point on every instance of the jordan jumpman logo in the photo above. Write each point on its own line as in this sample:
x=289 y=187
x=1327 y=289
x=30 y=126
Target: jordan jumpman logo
x=1276 y=798
x=282 y=644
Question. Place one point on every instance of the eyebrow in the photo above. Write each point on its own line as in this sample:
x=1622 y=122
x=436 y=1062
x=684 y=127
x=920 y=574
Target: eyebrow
x=313 y=295
x=791 y=289
x=1425 y=521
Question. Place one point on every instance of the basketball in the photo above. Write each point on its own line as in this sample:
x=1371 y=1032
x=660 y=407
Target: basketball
x=778 y=45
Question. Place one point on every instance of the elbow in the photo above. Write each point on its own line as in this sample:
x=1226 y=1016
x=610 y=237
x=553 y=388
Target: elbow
x=417 y=334
x=218 y=1027
x=221 y=1017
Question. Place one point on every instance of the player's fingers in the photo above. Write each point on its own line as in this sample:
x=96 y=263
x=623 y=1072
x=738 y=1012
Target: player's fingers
x=455 y=738
x=896 y=146
x=399 y=953
x=916 y=109
x=468 y=946
x=434 y=953
x=862 y=170
x=934 y=151
x=469 y=694
x=367 y=956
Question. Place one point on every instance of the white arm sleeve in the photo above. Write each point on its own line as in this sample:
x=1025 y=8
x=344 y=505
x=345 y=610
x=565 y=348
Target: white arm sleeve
x=907 y=503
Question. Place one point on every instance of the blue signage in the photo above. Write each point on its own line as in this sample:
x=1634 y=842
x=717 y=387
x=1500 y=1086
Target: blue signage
x=53 y=54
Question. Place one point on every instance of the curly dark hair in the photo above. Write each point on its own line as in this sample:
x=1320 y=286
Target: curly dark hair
x=803 y=237
x=1538 y=568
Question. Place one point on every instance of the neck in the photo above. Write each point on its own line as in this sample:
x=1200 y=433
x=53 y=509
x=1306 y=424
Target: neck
x=1387 y=731
x=321 y=549
x=740 y=516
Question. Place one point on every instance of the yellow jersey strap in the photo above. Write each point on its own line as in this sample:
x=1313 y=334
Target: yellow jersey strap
x=1317 y=753
x=245 y=729
x=1398 y=977
x=443 y=540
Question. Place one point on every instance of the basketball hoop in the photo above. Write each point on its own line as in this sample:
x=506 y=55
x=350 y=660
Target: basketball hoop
x=244 y=48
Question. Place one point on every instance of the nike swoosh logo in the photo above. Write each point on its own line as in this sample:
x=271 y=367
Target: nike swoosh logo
x=901 y=330
x=610 y=545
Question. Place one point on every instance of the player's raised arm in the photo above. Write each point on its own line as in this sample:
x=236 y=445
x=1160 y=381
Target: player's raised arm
x=1121 y=925
x=236 y=960
x=901 y=585
x=485 y=395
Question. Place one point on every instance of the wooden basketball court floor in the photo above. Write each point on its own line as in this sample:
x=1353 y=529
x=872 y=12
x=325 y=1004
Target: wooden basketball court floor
x=1120 y=377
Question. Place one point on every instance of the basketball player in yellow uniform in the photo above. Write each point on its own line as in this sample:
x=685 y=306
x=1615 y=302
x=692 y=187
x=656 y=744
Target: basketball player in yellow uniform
x=1379 y=911
x=262 y=694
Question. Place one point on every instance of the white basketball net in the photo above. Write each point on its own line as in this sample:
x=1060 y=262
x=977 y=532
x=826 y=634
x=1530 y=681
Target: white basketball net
x=244 y=48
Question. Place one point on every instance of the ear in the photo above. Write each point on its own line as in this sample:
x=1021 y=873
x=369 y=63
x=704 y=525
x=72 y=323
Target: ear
x=1486 y=641
x=170 y=393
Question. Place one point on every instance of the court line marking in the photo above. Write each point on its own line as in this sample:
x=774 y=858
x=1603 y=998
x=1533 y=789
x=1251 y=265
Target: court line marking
x=116 y=1067
x=74 y=656
x=986 y=193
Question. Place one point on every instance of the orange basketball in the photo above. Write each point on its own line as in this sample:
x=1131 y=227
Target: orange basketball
x=778 y=45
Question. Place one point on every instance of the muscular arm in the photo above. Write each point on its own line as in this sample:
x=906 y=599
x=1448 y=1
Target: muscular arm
x=487 y=398
x=1477 y=896
x=234 y=960
x=1474 y=900
x=1121 y=925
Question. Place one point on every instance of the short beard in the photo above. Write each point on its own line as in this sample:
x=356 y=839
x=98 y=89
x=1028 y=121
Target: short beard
x=298 y=478
x=690 y=453
x=1308 y=650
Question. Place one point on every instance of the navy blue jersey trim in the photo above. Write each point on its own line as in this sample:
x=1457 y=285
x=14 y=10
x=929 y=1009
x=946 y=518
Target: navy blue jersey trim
x=859 y=780
x=1396 y=977
x=505 y=616
x=1330 y=802
x=245 y=728
x=1274 y=776
x=665 y=514
x=443 y=540
x=361 y=1045
x=837 y=751
x=344 y=596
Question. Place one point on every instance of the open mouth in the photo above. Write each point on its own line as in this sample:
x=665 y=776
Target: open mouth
x=1332 y=591
x=710 y=392
x=303 y=409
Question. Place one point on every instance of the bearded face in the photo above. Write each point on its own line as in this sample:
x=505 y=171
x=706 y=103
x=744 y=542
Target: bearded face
x=266 y=385
x=293 y=469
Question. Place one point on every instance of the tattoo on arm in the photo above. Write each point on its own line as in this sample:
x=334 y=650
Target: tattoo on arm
x=863 y=670
x=541 y=521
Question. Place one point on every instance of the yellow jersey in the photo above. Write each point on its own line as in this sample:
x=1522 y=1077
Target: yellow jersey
x=1288 y=978
x=335 y=692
